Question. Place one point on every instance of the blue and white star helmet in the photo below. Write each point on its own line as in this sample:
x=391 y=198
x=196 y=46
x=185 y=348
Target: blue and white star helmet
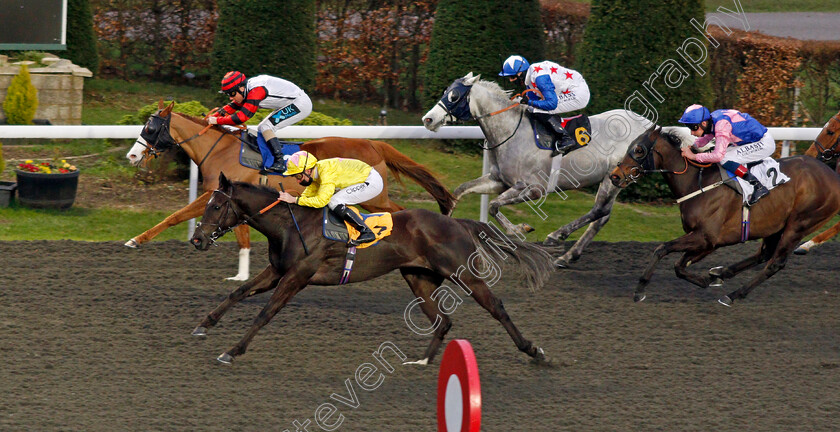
x=695 y=114
x=513 y=65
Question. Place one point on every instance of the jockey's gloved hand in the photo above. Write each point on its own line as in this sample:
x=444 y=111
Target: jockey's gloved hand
x=212 y=120
x=524 y=100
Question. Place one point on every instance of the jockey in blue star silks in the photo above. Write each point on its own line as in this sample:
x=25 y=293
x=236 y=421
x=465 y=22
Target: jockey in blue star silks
x=739 y=140
x=289 y=102
x=563 y=90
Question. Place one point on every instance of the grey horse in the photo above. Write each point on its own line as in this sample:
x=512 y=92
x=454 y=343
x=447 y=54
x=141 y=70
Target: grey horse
x=520 y=172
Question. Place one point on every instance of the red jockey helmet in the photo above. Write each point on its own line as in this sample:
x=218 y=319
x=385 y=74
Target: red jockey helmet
x=232 y=80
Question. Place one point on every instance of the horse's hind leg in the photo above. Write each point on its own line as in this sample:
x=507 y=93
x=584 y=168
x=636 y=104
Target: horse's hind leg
x=263 y=282
x=243 y=238
x=423 y=283
x=768 y=246
x=820 y=238
x=481 y=185
x=604 y=200
x=482 y=294
x=787 y=242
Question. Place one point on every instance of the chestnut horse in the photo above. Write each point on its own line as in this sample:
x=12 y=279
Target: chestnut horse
x=713 y=219
x=826 y=147
x=217 y=150
x=427 y=248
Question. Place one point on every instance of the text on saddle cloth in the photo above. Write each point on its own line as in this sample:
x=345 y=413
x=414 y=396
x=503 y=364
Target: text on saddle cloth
x=578 y=127
x=768 y=172
x=337 y=229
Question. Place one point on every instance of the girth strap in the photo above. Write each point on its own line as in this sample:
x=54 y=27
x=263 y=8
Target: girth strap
x=348 y=265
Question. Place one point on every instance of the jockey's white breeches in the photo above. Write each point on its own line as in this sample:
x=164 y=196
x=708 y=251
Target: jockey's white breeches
x=752 y=152
x=359 y=192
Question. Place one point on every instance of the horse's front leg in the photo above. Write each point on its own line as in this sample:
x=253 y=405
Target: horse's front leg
x=604 y=200
x=192 y=210
x=264 y=281
x=688 y=258
x=290 y=284
x=482 y=185
x=517 y=194
x=691 y=241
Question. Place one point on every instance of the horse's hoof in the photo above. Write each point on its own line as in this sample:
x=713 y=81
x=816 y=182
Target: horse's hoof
x=800 y=251
x=716 y=282
x=561 y=263
x=225 y=358
x=422 y=362
x=238 y=277
x=200 y=331
x=132 y=244
x=716 y=271
x=540 y=358
x=726 y=301
x=638 y=298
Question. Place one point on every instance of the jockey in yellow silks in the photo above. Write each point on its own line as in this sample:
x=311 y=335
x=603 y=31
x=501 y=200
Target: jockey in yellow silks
x=335 y=183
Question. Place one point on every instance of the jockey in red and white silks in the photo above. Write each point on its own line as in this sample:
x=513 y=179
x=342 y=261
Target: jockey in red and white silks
x=289 y=102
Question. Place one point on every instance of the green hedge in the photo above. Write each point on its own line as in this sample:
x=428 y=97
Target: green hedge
x=260 y=37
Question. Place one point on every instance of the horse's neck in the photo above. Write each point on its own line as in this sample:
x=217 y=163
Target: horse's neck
x=274 y=221
x=683 y=177
x=508 y=133
x=197 y=146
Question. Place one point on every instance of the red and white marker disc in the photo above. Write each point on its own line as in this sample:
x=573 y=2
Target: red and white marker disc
x=459 y=390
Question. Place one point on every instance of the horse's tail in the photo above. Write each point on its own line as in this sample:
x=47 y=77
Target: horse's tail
x=399 y=164
x=534 y=262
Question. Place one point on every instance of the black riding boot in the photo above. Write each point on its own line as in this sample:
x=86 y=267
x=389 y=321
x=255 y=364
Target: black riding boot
x=365 y=233
x=759 y=190
x=566 y=144
x=276 y=147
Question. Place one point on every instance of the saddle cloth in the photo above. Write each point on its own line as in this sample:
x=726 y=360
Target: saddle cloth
x=249 y=152
x=767 y=171
x=578 y=128
x=337 y=229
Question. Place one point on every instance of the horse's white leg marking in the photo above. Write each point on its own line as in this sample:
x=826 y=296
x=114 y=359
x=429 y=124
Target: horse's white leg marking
x=423 y=362
x=244 y=264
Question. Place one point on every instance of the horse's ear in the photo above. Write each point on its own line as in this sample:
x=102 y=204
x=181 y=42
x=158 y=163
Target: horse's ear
x=655 y=132
x=168 y=110
x=224 y=184
x=160 y=104
x=470 y=79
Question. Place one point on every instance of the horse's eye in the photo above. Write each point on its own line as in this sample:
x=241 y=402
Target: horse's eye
x=454 y=96
x=216 y=207
x=638 y=150
x=829 y=132
x=151 y=129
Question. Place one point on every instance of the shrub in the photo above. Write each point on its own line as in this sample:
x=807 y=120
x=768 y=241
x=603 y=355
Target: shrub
x=21 y=99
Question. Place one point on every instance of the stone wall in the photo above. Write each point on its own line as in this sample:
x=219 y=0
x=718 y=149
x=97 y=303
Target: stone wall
x=59 y=83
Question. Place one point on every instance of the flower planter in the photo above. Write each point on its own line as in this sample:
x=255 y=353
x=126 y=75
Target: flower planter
x=38 y=190
x=7 y=192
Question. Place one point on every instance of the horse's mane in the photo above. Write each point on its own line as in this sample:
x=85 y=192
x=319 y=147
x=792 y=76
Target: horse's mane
x=201 y=122
x=494 y=89
x=670 y=136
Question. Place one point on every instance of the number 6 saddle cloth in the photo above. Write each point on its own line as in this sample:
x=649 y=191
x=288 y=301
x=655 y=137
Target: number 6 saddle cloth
x=337 y=229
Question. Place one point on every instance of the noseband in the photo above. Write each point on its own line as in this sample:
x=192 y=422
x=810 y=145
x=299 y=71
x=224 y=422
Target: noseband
x=829 y=153
x=644 y=160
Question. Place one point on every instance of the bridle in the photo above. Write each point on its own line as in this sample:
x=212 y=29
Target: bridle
x=158 y=140
x=645 y=162
x=229 y=206
x=455 y=102
x=829 y=153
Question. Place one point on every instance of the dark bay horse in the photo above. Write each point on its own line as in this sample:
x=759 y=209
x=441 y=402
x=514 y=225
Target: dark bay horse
x=825 y=147
x=217 y=150
x=713 y=219
x=426 y=247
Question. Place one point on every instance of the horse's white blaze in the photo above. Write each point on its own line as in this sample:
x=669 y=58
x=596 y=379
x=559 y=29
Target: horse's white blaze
x=135 y=155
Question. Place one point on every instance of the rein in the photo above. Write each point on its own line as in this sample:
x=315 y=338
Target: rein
x=521 y=115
